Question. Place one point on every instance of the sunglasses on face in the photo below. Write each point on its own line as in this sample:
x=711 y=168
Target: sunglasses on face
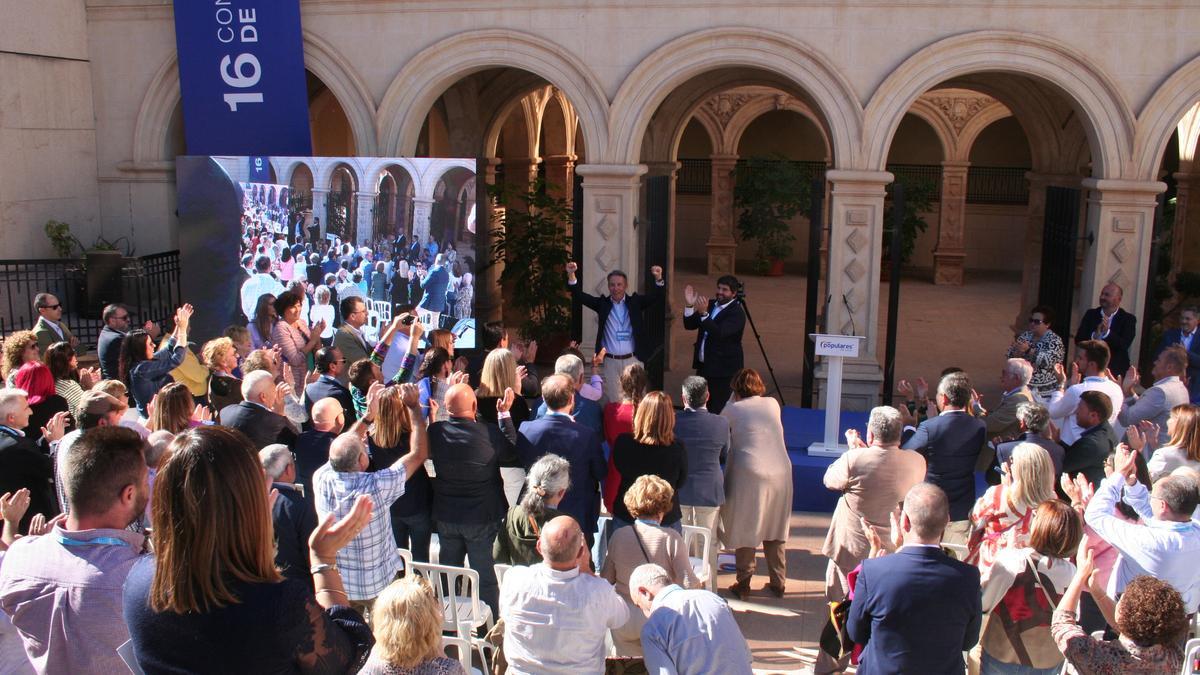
x=58 y=306
x=1035 y=321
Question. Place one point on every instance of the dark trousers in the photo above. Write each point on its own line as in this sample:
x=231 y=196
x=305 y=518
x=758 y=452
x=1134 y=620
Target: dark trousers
x=718 y=392
x=461 y=540
x=413 y=533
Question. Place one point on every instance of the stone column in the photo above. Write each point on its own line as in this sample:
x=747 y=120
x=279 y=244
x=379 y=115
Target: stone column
x=519 y=173
x=422 y=210
x=855 y=249
x=610 y=204
x=671 y=170
x=365 y=220
x=560 y=176
x=949 y=256
x=319 y=209
x=1121 y=217
x=722 y=247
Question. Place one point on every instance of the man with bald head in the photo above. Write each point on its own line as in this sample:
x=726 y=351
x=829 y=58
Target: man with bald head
x=468 y=493
x=918 y=580
x=260 y=415
x=556 y=613
x=1113 y=325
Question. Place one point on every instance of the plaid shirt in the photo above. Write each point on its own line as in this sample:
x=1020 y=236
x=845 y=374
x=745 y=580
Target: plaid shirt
x=370 y=561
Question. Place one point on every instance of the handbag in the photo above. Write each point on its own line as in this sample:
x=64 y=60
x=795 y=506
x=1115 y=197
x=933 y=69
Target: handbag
x=1013 y=630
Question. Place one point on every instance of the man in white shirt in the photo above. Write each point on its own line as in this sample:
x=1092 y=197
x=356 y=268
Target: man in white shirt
x=557 y=613
x=1091 y=361
x=1155 y=403
x=1165 y=544
x=258 y=285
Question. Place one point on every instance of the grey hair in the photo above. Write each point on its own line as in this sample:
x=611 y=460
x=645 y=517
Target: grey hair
x=345 y=451
x=569 y=365
x=885 y=424
x=11 y=401
x=1020 y=369
x=648 y=576
x=255 y=383
x=928 y=510
x=275 y=459
x=547 y=477
x=156 y=446
x=956 y=387
x=322 y=295
x=1035 y=416
x=1179 y=493
x=695 y=390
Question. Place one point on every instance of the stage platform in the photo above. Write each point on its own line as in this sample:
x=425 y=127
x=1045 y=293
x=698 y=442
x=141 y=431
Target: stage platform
x=803 y=427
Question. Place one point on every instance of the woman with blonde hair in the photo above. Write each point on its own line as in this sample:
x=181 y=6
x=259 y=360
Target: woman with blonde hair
x=651 y=449
x=387 y=442
x=20 y=348
x=1002 y=517
x=221 y=358
x=210 y=598
x=174 y=409
x=500 y=372
x=1183 y=442
x=645 y=541
x=758 y=483
x=408 y=632
x=618 y=419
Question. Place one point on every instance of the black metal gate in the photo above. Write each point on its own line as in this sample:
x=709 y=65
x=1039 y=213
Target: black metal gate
x=812 y=286
x=658 y=223
x=1060 y=241
x=576 y=253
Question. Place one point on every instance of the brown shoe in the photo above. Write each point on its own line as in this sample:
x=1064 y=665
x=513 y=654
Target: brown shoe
x=777 y=591
x=740 y=591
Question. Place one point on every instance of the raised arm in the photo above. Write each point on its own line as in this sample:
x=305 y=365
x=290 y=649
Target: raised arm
x=418 y=438
x=590 y=301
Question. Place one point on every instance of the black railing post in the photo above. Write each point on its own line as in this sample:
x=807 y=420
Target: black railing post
x=897 y=252
x=816 y=227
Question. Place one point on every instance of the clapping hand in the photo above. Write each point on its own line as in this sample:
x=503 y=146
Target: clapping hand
x=1060 y=374
x=905 y=389
x=38 y=525
x=922 y=388
x=288 y=377
x=531 y=351
x=201 y=414
x=13 y=505
x=1137 y=440
x=504 y=403
x=459 y=377
x=1076 y=376
x=853 y=440
x=88 y=377
x=56 y=428
x=1131 y=379
x=689 y=295
x=702 y=303
x=1125 y=463
x=873 y=538
x=311 y=377
x=153 y=329
x=522 y=371
x=282 y=391
x=410 y=394
x=1150 y=432
x=1022 y=345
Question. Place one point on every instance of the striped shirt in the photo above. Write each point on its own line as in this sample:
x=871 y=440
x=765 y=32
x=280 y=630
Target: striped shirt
x=370 y=561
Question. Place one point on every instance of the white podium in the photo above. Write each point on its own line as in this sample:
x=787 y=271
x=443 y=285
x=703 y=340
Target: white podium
x=835 y=348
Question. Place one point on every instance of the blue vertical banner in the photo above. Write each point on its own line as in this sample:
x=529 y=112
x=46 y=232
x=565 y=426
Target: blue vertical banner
x=260 y=169
x=241 y=72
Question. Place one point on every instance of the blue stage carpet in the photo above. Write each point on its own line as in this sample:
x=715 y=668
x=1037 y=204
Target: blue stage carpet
x=803 y=427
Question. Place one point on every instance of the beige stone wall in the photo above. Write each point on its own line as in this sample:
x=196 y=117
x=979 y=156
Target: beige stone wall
x=47 y=129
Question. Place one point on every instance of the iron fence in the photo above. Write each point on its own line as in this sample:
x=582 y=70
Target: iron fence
x=997 y=185
x=149 y=287
x=917 y=174
x=695 y=177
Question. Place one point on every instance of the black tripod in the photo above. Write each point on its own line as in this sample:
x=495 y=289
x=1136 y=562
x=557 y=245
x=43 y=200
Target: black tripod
x=741 y=298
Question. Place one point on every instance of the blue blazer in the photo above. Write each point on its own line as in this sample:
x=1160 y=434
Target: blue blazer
x=328 y=387
x=705 y=436
x=434 y=283
x=1174 y=336
x=951 y=443
x=580 y=446
x=917 y=611
x=586 y=412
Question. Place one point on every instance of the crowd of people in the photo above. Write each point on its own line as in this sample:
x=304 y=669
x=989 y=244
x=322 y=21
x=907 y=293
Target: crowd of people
x=249 y=504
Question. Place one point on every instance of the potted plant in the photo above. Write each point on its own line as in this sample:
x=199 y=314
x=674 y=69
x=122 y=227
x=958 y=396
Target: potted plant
x=918 y=195
x=532 y=238
x=769 y=193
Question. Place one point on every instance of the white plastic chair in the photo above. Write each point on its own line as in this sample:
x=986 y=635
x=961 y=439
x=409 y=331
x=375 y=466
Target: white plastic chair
x=382 y=309
x=601 y=546
x=406 y=558
x=463 y=651
x=457 y=589
x=1190 y=652
x=702 y=566
x=371 y=329
x=125 y=651
x=501 y=570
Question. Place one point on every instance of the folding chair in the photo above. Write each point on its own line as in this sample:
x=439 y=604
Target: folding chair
x=501 y=570
x=371 y=329
x=457 y=589
x=702 y=566
x=1190 y=652
x=407 y=559
x=601 y=547
x=383 y=309
x=464 y=650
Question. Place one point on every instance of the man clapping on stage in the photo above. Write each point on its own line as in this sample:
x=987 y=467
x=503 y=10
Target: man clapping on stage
x=720 y=323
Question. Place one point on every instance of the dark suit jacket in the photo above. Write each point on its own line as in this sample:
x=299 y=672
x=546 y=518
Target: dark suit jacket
x=637 y=305
x=585 y=412
x=951 y=443
x=1056 y=451
x=634 y=459
x=578 y=445
x=328 y=387
x=467 y=456
x=294 y=520
x=262 y=426
x=722 y=339
x=108 y=347
x=705 y=436
x=24 y=465
x=1120 y=336
x=1087 y=454
x=916 y=611
x=1174 y=336
x=312 y=451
